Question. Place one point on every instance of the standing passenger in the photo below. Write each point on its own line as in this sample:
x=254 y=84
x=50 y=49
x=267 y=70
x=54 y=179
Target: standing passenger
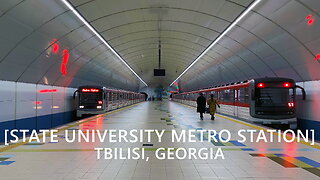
x=201 y=105
x=213 y=103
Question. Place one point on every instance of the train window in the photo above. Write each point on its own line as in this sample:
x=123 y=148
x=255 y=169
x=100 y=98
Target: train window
x=227 y=95
x=218 y=95
x=274 y=97
x=110 y=96
x=90 y=98
x=243 y=95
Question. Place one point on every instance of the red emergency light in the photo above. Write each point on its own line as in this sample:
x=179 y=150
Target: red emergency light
x=310 y=22
x=47 y=90
x=99 y=102
x=309 y=16
x=37 y=102
x=64 y=62
x=54 y=46
x=90 y=90
x=309 y=19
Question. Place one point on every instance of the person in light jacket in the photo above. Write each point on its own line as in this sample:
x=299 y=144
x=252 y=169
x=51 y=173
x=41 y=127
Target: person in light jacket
x=213 y=103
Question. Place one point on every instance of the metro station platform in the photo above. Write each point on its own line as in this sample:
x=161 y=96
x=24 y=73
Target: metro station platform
x=64 y=160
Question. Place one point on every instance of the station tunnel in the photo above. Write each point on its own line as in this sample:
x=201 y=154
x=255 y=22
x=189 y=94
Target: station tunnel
x=128 y=66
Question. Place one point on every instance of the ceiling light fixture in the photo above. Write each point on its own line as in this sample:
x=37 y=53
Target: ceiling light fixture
x=66 y=2
x=219 y=37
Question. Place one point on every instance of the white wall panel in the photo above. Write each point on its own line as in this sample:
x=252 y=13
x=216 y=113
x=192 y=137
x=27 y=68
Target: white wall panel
x=26 y=97
x=23 y=100
x=44 y=97
x=69 y=106
x=309 y=109
x=58 y=101
x=7 y=100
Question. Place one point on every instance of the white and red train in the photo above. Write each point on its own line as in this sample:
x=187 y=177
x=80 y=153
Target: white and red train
x=98 y=99
x=263 y=100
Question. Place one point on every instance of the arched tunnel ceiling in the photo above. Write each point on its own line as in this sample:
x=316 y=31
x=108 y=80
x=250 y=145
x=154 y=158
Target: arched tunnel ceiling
x=135 y=28
x=272 y=40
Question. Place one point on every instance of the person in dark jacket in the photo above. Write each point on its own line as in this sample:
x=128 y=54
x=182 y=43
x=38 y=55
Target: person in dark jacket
x=201 y=105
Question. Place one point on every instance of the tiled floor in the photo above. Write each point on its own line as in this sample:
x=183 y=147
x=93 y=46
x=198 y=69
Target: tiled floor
x=78 y=160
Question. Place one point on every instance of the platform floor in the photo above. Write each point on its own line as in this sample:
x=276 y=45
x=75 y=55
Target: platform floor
x=78 y=160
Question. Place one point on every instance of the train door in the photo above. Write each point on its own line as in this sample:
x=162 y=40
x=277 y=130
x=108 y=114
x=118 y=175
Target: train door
x=235 y=104
x=120 y=100
x=130 y=99
x=104 y=101
x=114 y=100
x=109 y=101
x=125 y=100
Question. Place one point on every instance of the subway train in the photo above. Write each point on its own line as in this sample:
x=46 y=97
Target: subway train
x=99 y=99
x=263 y=100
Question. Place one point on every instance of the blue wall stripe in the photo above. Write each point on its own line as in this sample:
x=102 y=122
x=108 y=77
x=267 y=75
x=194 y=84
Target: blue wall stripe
x=305 y=124
x=57 y=119
x=40 y=122
x=44 y=122
x=27 y=123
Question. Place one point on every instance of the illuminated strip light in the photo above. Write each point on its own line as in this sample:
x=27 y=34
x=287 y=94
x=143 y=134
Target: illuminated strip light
x=220 y=36
x=101 y=38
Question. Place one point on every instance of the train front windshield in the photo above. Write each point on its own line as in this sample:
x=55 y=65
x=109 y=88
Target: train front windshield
x=90 y=99
x=274 y=101
x=274 y=97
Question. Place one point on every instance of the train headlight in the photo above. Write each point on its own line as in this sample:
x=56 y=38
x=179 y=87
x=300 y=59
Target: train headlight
x=81 y=106
x=99 y=107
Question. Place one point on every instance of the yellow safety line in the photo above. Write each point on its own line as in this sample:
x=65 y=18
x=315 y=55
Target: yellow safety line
x=256 y=127
x=11 y=146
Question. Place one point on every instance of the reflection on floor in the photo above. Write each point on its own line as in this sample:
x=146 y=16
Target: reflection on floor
x=78 y=160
